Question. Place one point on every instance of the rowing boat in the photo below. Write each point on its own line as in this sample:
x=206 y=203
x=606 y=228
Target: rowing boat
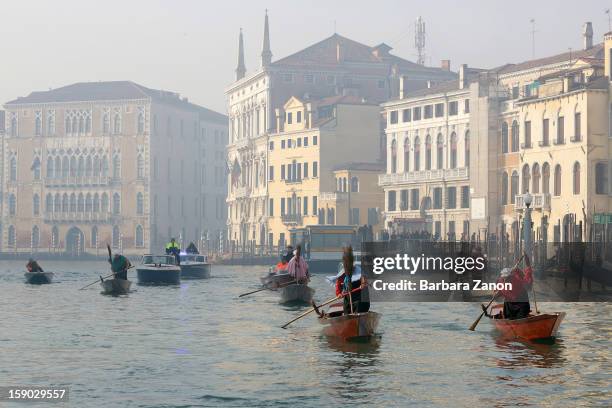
x=115 y=286
x=533 y=327
x=296 y=293
x=355 y=326
x=38 y=278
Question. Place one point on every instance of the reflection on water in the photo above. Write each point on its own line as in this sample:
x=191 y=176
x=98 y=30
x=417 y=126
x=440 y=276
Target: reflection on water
x=198 y=344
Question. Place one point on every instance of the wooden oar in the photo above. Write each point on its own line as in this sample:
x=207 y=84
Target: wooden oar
x=473 y=326
x=340 y=296
x=267 y=288
x=97 y=281
x=535 y=302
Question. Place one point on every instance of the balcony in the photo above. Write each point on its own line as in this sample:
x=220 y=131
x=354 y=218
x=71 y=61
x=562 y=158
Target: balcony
x=243 y=191
x=335 y=196
x=293 y=219
x=423 y=176
x=540 y=202
x=82 y=217
x=78 y=181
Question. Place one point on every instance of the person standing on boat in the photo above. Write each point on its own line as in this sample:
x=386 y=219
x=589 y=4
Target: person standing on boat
x=119 y=266
x=351 y=278
x=298 y=268
x=33 y=266
x=516 y=300
x=192 y=249
x=172 y=248
x=289 y=254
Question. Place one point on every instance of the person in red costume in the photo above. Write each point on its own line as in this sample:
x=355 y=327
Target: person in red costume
x=516 y=300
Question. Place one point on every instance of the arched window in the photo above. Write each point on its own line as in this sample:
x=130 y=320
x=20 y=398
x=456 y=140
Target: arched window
x=116 y=236
x=12 y=239
x=38 y=125
x=453 y=151
x=428 y=152
x=504 y=137
x=57 y=203
x=49 y=203
x=75 y=125
x=601 y=178
x=73 y=166
x=96 y=166
x=535 y=178
x=35 y=237
x=116 y=204
x=106 y=123
x=68 y=125
x=13 y=169
x=406 y=155
x=354 y=185
x=88 y=203
x=526 y=179
x=81 y=125
x=12 y=204
x=139 y=204
x=65 y=203
x=104 y=204
x=393 y=156
x=116 y=123
x=105 y=166
x=88 y=124
x=65 y=167
x=55 y=237
x=576 y=178
x=88 y=167
x=81 y=203
x=344 y=187
x=504 y=188
x=466 y=147
x=73 y=203
x=515 y=136
x=36 y=169
x=58 y=167
x=81 y=167
x=51 y=123
x=417 y=154
x=440 y=152
x=141 y=122
x=116 y=167
x=557 y=181
x=96 y=203
x=139 y=241
x=50 y=168
x=36 y=204
x=514 y=185
x=13 y=127
x=94 y=236
x=140 y=167
x=545 y=178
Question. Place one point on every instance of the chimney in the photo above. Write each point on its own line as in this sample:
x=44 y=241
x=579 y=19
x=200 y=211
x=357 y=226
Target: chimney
x=445 y=64
x=607 y=53
x=308 y=115
x=403 y=86
x=463 y=80
x=279 y=120
x=587 y=35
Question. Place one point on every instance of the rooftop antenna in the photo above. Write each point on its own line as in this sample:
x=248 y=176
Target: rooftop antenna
x=419 y=40
x=607 y=11
x=533 y=31
x=335 y=31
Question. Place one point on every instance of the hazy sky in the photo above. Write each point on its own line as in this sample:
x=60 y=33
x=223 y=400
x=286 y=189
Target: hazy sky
x=190 y=46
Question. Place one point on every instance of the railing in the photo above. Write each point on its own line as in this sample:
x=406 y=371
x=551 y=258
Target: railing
x=423 y=175
x=291 y=218
x=539 y=201
x=78 y=216
x=335 y=196
x=243 y=191
x=78 y=181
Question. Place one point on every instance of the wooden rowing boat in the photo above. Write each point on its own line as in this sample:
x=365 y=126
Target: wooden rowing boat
x=356 y=326
x=115 y=286
x=534 y=327
x=39 y=278
x=296 y=293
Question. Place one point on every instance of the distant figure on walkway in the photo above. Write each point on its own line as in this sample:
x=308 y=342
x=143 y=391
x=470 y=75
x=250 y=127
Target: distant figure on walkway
x=298 y=268
x=33 y=266
x=119 y=266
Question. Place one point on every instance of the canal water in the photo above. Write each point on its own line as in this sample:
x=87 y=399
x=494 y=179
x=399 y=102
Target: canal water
x=198 y=345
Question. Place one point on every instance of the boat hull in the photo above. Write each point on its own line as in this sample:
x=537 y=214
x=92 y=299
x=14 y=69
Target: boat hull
x=534 y=327
x=195 y=271
x=296 y=293
x=159 y=275
x=274 y=280
x=38 y=278
x=351 y=327
x=115 y=286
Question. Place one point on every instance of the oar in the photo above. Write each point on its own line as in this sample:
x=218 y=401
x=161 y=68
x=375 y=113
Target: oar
x=96 y=281
x=340 y=296
x=473 y=326
x=266 y=288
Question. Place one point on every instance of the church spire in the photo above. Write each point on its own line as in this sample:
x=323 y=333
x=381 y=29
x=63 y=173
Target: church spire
x=266 y=53
x=240 y=69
